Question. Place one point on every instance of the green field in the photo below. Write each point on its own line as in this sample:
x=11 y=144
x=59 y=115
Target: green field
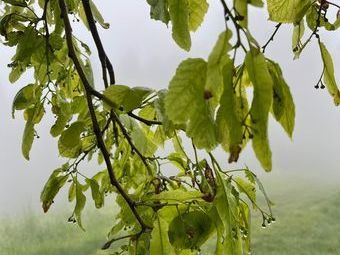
x=307 y=212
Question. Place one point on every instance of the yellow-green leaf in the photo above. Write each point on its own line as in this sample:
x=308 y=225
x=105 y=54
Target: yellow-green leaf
x=283 y=104
x=80 y=204
x=197 y=11
x=287 y=11
x=126 y=98
x=216 y=62
x=241 y=6
x=97 y=196
x=177 y=195
x=190 y=230
x=262 y=100
x=160 y=244
x=27 y=139
x=185 y=103
x=69 y=143
x=179 y=15
x=159 y=10
x=247 y=188
x=24 y=98
x=329 y=77
x=54 y=183
x=228 y=119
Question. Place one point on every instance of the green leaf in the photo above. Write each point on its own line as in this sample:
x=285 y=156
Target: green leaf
x=241 y=6
x=20 y=3
x=283 y=104
x=97 y=196
x=197 y=11
x=257 y=3
x=178 y=160
x=27 y=139
x=190 y=230
x=64 y=112
x=80 y=204
x=218 y=58
x=142 y=142
x=329 y=77
x=159 y=104
x=160 y=244
x=225 y=213
x=72 y=192
x=247 y=188
x=97 y=16
x=35 y=114
x=228 y=119
x=287 y=11
x=185 y=103
x=24 y=98
x=178 y=195
x=179 y=14
x=298 y=32
x=54 y=183
x=59 y=125
x=262 y=100
x=117 y=93
x=184 y=89
x=159 y=10
x=125 y=97
x=69 y=143
x=88 y=72
x=16 y=73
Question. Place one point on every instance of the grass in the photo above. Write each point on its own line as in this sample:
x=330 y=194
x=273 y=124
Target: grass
x=35 y=234
x=307 y=213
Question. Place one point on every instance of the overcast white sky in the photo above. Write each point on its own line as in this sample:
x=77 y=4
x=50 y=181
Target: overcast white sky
x=144 y=54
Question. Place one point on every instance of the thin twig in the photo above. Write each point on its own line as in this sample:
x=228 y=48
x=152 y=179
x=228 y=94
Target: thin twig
x=277 y=27
x=145 y=121
x=108 y=243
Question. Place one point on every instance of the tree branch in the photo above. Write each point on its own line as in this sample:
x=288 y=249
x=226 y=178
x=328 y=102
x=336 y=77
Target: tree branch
x=105 y=61
x=145 y=121
x=96 y=129
x=277 y=27
x=228 y=14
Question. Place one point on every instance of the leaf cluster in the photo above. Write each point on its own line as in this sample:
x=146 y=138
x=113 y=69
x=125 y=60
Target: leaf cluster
x=225 y=100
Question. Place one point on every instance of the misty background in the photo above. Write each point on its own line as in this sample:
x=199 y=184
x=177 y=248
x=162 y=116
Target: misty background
x=144 y=54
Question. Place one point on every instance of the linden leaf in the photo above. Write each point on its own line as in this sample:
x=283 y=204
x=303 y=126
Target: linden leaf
x=287 y=11
x=262 y=100
x=179 y=14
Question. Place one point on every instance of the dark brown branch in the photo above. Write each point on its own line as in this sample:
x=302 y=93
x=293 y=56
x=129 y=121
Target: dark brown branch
x=315 y=30
x=108 y=243
x=238 y=28
x=277 y=27
x=105 y=62
x=47 y=41
x=96 y=128
x=145 y=121
x=336 y=5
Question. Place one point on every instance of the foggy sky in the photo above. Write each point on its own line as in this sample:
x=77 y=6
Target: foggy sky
x=144 y=54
